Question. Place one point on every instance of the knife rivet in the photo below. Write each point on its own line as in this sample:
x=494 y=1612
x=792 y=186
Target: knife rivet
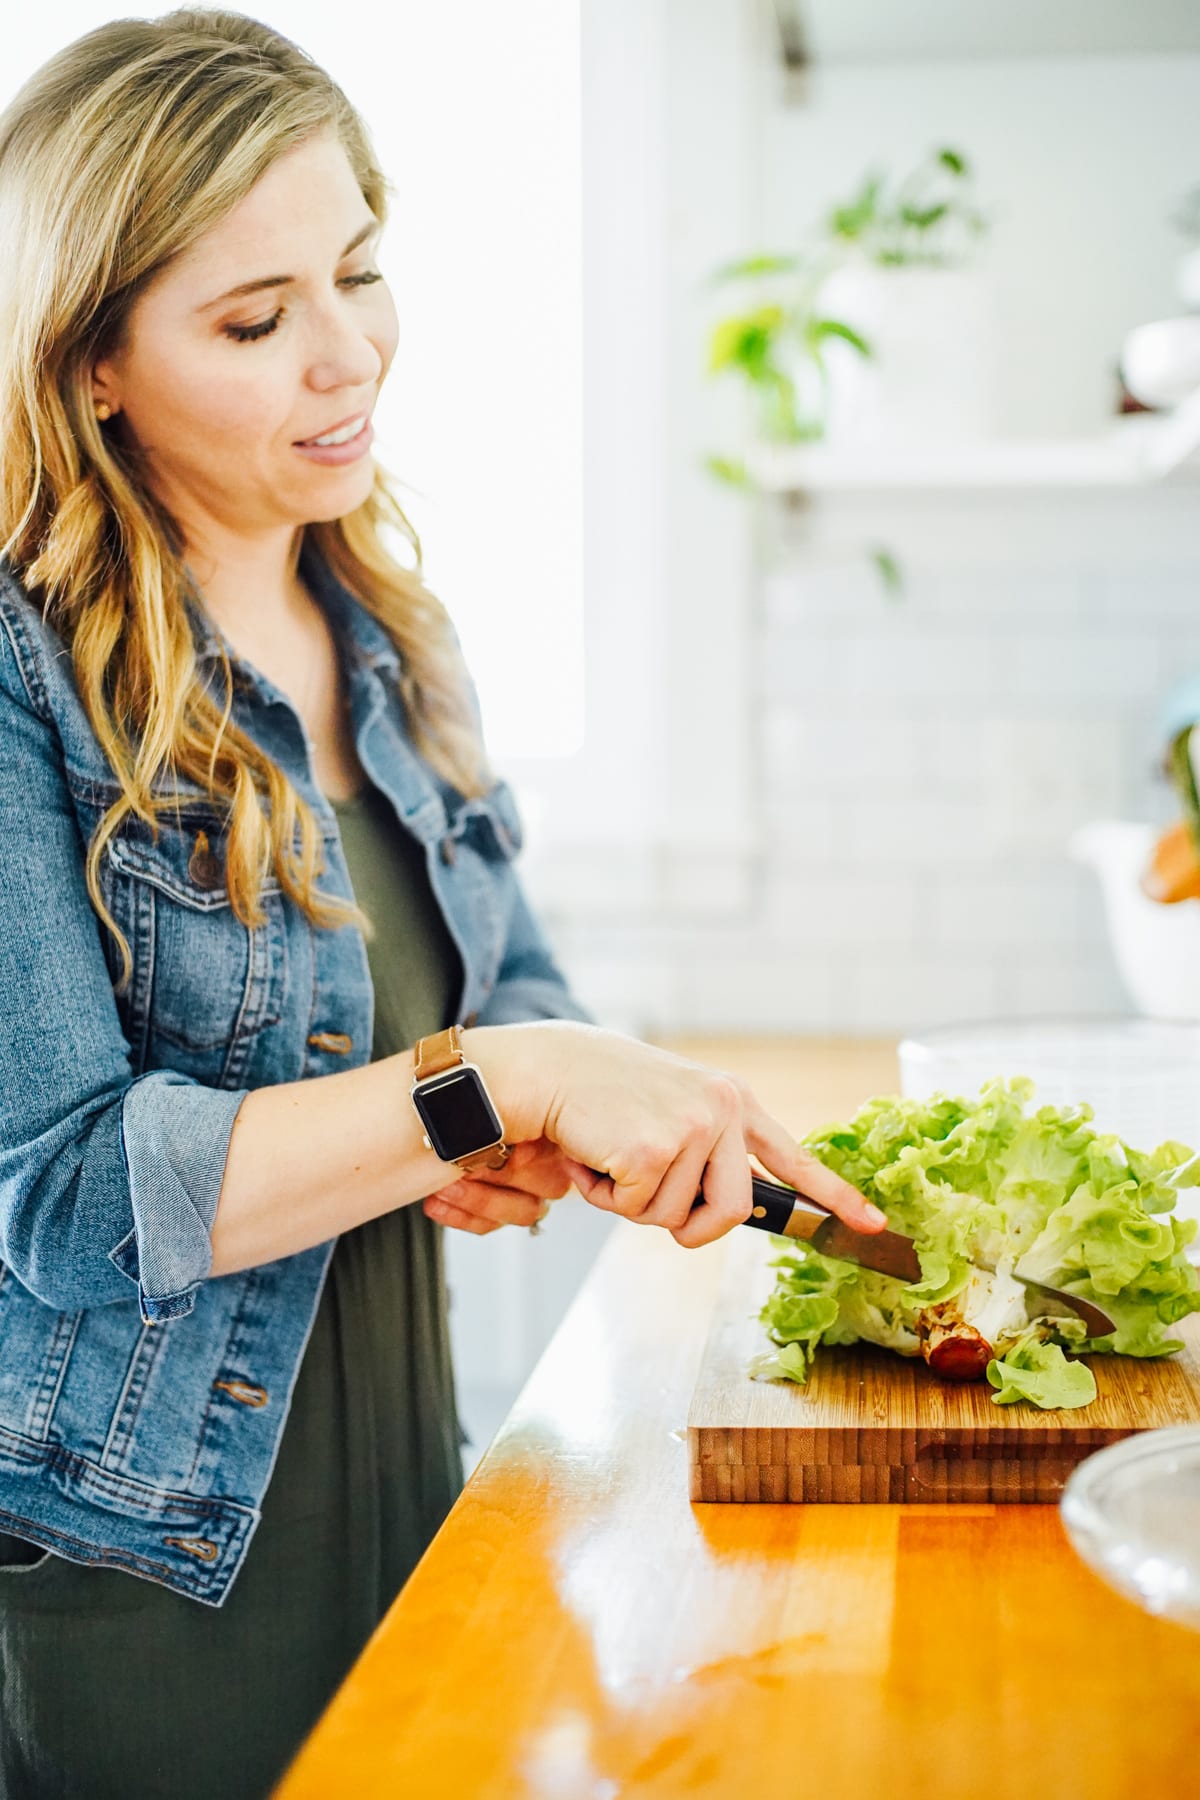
x=759 y=1212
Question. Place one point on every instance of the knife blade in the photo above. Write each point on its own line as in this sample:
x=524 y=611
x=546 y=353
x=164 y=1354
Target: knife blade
x=788 y=1213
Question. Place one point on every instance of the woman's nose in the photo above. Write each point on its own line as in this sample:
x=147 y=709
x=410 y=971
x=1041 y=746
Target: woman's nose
x=344 y=355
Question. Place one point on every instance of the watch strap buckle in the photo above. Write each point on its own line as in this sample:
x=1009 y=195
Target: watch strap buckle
x=495 y=1158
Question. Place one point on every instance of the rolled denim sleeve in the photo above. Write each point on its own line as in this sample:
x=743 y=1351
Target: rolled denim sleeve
x=175 y=1138
x=108 y=1185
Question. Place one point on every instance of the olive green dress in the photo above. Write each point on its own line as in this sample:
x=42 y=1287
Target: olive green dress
x=112 y=1685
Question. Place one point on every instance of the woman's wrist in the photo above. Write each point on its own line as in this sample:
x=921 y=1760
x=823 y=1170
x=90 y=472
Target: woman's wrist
x=520 y=1064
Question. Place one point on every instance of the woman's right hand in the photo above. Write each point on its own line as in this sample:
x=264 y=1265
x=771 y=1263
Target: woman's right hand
x=644 y=1130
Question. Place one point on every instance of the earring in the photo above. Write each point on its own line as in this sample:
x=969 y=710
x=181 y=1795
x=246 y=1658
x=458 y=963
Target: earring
x=103 y=410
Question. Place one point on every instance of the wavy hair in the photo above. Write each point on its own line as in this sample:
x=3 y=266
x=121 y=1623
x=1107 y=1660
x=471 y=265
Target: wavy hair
x=115 y=156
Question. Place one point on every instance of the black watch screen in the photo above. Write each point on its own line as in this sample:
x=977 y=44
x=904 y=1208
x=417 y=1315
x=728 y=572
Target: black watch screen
x=457 y=1114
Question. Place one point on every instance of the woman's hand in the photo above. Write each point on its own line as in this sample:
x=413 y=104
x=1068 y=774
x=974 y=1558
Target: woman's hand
x=643 y=1131
x=535 y=1173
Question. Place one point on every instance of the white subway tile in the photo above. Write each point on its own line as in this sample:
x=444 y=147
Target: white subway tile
x=809 y=831
x=839 y=749
x=742 y=989
x=806 y=667
x=843 y=592
x=1088 y=668
x=922 y=833
x=908 y=994
x=997 y=596
x=1179 y=661
x=1091 y=914
x=871 y=906
x=1046 y=776
x=928 y=668
x=950 y=754
x=1033 y=910
x=1083 y=987
x=1149 y=594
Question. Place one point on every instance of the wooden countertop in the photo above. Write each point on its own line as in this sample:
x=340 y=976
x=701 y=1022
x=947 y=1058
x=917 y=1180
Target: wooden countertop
x=579 y=1631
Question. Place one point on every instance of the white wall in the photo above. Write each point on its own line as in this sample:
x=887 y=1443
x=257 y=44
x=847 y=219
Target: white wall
x=906 y=773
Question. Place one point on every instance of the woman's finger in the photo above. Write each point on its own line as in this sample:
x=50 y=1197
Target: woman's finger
x=585 y=1179
x=779 y=1152
x=547 y=1183
x=505 y=1206
x=728 y=1197
x=672 y=1204
x=443 y=1213
x=537 y=1166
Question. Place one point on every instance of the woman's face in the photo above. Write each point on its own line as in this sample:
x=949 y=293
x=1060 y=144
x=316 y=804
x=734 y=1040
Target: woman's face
x=217 y=396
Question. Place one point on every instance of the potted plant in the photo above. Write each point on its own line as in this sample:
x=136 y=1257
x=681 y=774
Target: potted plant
x=824 y=341
x=779 y=347
x=906 y=278
x=819 y=314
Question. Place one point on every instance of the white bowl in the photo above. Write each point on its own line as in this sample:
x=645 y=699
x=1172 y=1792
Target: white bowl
x=1161 y=361
x=1156 y=947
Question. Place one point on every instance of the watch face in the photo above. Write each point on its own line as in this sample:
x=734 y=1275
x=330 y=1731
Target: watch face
x=457 y=1113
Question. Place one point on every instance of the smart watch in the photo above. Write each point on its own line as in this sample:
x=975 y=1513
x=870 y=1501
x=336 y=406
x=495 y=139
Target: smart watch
x=459 y=1116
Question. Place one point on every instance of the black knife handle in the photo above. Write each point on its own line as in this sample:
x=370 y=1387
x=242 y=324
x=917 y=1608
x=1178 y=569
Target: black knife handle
x=775 y=1208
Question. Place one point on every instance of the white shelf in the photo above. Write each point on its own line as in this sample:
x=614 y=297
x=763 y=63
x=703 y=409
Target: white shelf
x=1141 y=451
x=847 y=31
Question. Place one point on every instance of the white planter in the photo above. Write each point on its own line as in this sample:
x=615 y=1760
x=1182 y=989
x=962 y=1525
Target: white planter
x=1161 y=361
x=1157 y=947
x=1187 y=280
x=932 y=378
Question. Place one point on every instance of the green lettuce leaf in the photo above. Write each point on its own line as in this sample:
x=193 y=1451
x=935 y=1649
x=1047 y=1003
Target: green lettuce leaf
x=992 y=1183
x=1041 y=1373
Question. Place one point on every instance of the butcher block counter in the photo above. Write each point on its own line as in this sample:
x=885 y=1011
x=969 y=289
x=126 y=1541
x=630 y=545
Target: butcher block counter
x=580 y=1630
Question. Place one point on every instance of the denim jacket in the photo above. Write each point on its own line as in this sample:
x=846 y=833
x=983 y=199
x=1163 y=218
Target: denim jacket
x=141 y=1401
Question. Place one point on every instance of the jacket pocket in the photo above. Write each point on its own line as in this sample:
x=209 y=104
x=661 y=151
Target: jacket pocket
x=204 y=986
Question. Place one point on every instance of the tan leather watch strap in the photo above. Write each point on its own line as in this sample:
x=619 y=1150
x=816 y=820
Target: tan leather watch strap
x=441 y=1051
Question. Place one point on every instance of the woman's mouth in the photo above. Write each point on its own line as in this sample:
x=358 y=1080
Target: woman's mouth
x=346 y=444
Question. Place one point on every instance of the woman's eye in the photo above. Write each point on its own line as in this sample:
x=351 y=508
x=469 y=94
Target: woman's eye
x=246 y=334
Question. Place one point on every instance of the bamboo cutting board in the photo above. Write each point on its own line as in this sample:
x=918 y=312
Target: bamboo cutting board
x=873 y=1426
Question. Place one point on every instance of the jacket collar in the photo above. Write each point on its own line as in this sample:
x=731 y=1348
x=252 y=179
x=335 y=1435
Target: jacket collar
x=352 y=623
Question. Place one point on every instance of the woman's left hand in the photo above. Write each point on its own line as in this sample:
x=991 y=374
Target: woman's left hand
x=518 y=1194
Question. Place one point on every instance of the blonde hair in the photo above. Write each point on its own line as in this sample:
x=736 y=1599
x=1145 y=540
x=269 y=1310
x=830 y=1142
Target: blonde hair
x=114 y=157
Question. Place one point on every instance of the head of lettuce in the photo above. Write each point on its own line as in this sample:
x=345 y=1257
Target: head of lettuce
x=989 y=1189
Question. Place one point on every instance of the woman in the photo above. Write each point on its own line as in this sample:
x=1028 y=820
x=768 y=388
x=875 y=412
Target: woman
x=227 y=1419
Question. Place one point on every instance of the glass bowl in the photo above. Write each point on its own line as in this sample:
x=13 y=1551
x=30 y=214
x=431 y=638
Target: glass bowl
x=1132 y=1512
x=1141 y=1077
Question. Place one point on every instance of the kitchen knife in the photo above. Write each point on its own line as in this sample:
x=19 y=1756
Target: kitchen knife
x=790 y=1214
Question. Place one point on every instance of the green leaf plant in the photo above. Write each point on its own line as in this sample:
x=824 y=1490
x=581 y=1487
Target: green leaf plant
x=778 y=348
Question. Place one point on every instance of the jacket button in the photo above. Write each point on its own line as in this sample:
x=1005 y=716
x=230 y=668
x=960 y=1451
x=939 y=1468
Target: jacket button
x=471 y=1020
x=203 y=867
x=448 y=851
